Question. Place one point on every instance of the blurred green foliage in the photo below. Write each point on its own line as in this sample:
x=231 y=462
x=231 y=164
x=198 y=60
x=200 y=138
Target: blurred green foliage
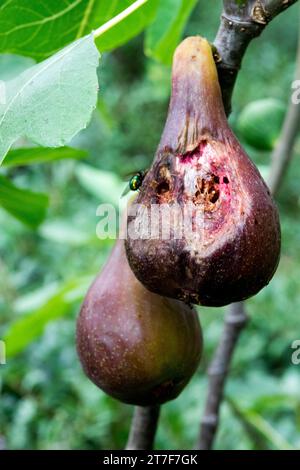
x=164 y=33
x=46 y=401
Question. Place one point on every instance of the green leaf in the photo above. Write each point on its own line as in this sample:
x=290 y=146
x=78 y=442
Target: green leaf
x=34 y=299
x=166 y=31
x=51 y=102
x=259 y=425
x=42 y=27
x=128 y=28
x=268 y=431
x=22 y=332
x=28 y=207
x=28 y=156
x=12 y=65
x=275 y=401
x=103 y=184
x=60 y=231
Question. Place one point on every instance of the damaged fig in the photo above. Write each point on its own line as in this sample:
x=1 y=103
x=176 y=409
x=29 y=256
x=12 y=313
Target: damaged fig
x=135 y=345
x=227 y=247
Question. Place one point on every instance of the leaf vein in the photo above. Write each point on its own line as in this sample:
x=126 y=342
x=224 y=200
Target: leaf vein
x=44 y=20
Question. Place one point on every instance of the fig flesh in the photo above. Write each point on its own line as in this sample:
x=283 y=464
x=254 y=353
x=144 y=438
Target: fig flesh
x=135 y=345
x=230 y=247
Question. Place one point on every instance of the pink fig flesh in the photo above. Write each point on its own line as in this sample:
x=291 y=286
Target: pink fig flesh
x=232 y=248
x=137 y=346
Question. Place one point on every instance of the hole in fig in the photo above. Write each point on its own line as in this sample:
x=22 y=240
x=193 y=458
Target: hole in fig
x=214 y=197
x=207 y=191
x=163 y=187
x=202 y=186
x=225 y=180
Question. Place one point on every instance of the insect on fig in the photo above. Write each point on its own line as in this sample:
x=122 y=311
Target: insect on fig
x=135 y=182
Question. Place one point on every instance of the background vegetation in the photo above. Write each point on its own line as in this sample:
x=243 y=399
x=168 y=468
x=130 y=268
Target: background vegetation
x=46 y=402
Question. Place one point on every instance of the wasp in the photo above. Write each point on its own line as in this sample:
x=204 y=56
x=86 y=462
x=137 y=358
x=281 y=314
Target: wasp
x=135 y=182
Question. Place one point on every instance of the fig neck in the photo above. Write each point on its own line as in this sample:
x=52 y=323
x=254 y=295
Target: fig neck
x=196 y=110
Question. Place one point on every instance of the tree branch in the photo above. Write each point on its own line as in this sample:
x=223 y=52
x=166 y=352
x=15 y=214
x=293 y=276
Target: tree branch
x=143 y=428
x=240 y=23
x=235 y=321
x=231 y=45
x=284 y=149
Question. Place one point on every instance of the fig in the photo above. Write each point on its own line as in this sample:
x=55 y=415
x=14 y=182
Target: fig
x=138 y=347
x=227 y=247
x=260 y=123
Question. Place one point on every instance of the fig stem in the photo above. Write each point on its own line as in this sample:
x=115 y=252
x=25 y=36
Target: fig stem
x=235 y=322
x=143 y=428
x=236 y=318
x=240 y=23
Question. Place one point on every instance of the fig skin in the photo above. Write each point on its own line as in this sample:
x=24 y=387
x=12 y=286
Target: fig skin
x=233 y=249
x=135 y=345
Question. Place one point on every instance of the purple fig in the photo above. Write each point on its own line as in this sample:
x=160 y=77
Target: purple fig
x=231 y=248
x=135 y=345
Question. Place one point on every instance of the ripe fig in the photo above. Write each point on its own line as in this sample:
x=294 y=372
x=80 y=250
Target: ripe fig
x=231 y=248
x=135 y=345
